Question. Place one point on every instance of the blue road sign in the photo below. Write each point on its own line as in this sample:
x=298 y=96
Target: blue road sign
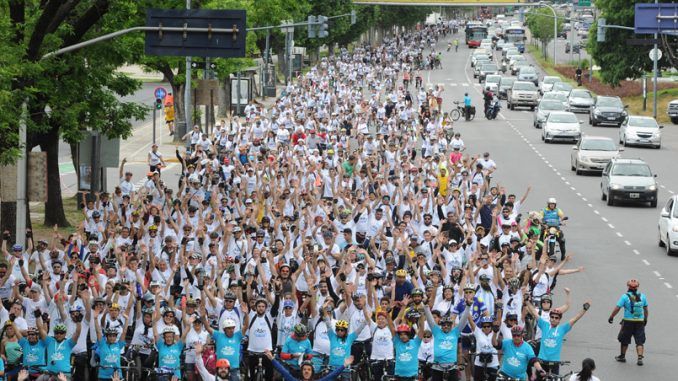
x=655 y=18
x=160 y=92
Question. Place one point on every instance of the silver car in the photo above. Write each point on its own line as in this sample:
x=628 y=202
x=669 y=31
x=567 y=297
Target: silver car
x=592 y=153
x=546 y=106
x=556 y=95
x=562 y=87
x=492 y=81
x=561 y=125
x=580 y=100
x=628 y=180
x=640 y=130
x=528 y=73
x=522 y=94
x=547 y=83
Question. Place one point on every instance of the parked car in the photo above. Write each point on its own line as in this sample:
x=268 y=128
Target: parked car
x=492 y=81
x=640 y=130
x=607 y=110
x=504 y=85
x=668 y=226
x=592 y=153
x=528 y=73
x=561 y=125
x=547 y=83
x=522 y=94
x=545 y=107
x=579 y=100
x=487 y=69
x=672 y=110
x=628 y=180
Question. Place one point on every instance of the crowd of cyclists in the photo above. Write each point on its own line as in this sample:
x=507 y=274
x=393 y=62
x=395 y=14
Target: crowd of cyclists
x=339 y=234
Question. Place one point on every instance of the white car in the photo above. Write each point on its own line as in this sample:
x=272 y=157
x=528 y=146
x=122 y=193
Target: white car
x=492 y=81
x=580 y=100
x=547 y=83
x=479 y=54
x=561 y=125
x=592 y=153
x=668 y=226
x=562 y=87
x=640 y=130
x=556 y=95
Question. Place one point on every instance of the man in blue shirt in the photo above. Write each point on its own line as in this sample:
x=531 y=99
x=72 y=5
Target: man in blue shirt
x=478 y=310
x=446 y=343
x=169 y=350
x=517 y=355
x=296 y=346
x=552 y=335
x=109 y=348
x=33 y=349
x=467 y=106
x=634 y=321
x=59 y=348
x=406 y=347
x=228 y=342
x=340 y=339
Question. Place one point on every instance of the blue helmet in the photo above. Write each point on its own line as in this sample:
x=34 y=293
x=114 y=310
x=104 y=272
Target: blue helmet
x=486 y=320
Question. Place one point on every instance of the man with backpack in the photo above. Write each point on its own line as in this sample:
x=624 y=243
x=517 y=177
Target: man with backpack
x=260 y=339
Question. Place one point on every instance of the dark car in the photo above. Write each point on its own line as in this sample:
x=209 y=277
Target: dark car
x=607 y=110
x=504 y=85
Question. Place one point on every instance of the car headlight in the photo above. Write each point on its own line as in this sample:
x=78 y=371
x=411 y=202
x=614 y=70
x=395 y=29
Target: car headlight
x=615 y=186
x=652 y=188
x=585 y=159
x=597 y=112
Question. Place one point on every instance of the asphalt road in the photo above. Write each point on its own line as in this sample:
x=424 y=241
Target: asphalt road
x=612 y=243
x=561 y=56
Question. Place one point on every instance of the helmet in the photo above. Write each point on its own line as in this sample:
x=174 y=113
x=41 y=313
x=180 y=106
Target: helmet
x=114 y=306
x=486 y=320
x=470 y=287
x=511 y=316
x=223 y=363
x=229 y=296
x=307 y=363
x=417 y=292
x=110 y=331
x=447 y=319
x=60 y=328
x=32 y=330
x=228 y=323
x=556 y=311
x=633 y=284
x=546 y=298
x=514 y=282
x=552 y=200
x=341 y=324
x=403 y=328
x=170 y=329
x=147 y=311
x=448 y=287
x=516 y=330
x=300 y=330
x=401 y=272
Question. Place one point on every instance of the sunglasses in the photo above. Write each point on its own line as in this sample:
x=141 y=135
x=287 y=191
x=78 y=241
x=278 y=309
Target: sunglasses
x=427 y=337
x=469 y=292
x=487 y=325
x=341 y=329
x=556 y=317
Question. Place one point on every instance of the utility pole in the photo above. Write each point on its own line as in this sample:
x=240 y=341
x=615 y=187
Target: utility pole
x=655 y=69
x=187 y=94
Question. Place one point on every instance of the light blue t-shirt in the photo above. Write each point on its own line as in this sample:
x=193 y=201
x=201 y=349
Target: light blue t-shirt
x=228 y=347
x=551 y=339
x=633 y=309
x=34 y=355
x=169 y=356
x=445 y=345
x=467 y=101
x=109 y=357
x=59 y=355
x=406 y=360
x=515 y=360
x=294 y=346
x=340 y=349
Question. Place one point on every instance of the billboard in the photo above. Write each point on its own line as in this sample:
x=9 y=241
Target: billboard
x=440 y=2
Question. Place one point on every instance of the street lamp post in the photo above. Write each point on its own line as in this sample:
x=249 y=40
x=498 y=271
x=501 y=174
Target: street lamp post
x=555 y=28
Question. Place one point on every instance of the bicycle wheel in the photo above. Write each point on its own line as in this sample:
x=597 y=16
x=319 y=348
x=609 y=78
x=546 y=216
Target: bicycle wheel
x=455 y=114
x=259 y=376
x=471 y=115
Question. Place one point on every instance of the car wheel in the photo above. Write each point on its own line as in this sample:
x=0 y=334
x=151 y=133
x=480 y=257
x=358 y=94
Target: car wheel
x=593 y=122
x=661 y=243
x=653 y=204
x=542 y=138
x=610 y=201
x=674 y=120
x=578 y=171
x=669 y=249
x=532 y=108
x=602 y=196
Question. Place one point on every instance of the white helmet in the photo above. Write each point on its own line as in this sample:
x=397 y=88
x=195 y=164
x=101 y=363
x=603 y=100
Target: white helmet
x=229 y=323
x=171 y=329
x=552 y=200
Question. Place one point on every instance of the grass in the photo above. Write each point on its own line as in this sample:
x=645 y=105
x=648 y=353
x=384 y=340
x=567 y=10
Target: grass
x=663 y=98
x=40 y=231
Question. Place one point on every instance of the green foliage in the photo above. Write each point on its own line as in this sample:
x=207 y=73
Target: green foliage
x=616 y=58
x=540 y=22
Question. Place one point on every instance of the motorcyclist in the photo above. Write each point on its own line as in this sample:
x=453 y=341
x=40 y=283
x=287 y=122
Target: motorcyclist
x=553 y=216
x=487 y=97
x=578 y=73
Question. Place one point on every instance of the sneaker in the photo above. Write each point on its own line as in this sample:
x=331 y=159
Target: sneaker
x=620 y=358
x=640 y=361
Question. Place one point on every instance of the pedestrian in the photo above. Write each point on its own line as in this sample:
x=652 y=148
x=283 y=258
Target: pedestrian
x=633 y=322
x=155 y=159
x=586 y=372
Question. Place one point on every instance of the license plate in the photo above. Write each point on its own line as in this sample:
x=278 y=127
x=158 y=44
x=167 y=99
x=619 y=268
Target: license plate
x=644 y=140
x=634 y=195
x=610 y=118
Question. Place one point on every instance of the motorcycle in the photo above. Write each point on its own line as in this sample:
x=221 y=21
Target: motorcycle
x=493 y=109
x=552 y=236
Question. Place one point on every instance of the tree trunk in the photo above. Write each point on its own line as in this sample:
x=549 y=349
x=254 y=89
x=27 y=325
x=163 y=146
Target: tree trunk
x=224 y=98
x=178 y=92
x=8 y=212
x=54 y=207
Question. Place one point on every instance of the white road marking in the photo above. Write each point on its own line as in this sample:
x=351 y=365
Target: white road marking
x=567 y=183
x=627 y=243
x=646 y=262
x=595 y=211
x=657 y=273
x=670 y=191
x=611 y=226
x=603 y=218
x=619 y=234
x=584 y=199
x=465 y=84
x=573 y=188
x=663 y=187
x=636 y=252
x=668 y=285
x=562 y=178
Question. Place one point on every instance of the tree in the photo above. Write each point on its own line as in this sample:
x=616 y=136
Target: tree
x=615 y=57
x=540 y=22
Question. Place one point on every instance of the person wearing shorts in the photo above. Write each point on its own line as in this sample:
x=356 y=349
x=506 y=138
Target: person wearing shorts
x=634 y=321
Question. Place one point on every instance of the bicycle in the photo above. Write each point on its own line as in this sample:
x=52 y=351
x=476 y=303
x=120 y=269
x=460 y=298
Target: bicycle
x=460 y=111
x=503 y=377
x=549 y=366
x=483 y=358
x=448 y=370
x=386 y=366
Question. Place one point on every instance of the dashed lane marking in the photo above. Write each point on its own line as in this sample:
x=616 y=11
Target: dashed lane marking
x=627 y=243
x=619 y=234
x=603 y=218
x=657 y=273
x=668 y=285
x=611 y=226
x=646 y=262
x=636 y=252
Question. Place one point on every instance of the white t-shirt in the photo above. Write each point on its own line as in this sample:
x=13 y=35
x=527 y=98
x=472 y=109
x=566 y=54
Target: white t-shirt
x=260 y=337
x=382 y=343
x=193 y=337
x=484 y=345
x=321 y=342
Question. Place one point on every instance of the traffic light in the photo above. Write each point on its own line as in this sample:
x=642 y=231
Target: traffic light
x=354 y=17
x=158 y=103
x=601 y=29
x=322 y=30
x=312 y=27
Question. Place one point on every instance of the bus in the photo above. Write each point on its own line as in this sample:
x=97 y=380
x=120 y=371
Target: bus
x=474 y=34
x=515 y=35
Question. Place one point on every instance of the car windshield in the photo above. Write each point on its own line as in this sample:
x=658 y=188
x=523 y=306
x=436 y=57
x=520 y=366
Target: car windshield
x=551 y=105
x=631 y=170
x=493 y=79
x=527 y=70
x=609 y=102
x=489 y=67
x=561 y=86
x=597 y=145
x=580 y=94
x=524 y=86
x=563 y=118
x=551 y=80
x=642 y=122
